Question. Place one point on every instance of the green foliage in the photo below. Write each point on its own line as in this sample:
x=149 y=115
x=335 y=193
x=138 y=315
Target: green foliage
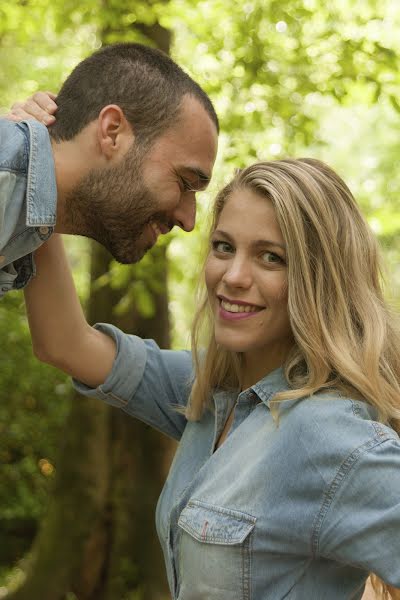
x=34 y=53
x=301 y=79
x=34 y=402
x=272 y=62
x=139 y=281
x=32 y=411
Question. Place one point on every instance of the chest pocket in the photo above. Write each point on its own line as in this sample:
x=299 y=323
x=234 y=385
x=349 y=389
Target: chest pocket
x=214 y=552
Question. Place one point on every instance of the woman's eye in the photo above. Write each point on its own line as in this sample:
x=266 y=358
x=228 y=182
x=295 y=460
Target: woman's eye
x=271 y=257
x=220 y=246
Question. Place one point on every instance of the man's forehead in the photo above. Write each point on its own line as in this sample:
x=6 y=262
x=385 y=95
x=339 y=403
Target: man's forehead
x=196 y=125
x=190 y=147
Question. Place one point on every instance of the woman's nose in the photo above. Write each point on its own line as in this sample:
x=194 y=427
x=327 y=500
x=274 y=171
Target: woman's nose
x=238 y=273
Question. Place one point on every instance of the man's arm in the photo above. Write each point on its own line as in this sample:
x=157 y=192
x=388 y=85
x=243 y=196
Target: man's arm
x=61 y=335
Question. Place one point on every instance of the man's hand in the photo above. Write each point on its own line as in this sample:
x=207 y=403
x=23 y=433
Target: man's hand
x=41 y=106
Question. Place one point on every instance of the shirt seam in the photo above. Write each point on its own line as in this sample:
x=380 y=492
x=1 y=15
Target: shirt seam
x=114 y=396
x=32 y=180
x=170 y=405
x=17 y=236
x=341 y=475
x=173 y=386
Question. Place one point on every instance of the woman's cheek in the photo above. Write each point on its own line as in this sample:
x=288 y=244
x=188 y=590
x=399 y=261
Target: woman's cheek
x=210 y=275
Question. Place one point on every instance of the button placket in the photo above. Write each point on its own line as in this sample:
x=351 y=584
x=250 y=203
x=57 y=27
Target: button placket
x=245 y=405
x=44 y=232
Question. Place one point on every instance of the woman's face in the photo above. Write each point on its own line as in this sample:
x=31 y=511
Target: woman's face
x=246 y=278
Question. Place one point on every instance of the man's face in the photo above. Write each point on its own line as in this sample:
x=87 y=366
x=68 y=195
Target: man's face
x=126 y=207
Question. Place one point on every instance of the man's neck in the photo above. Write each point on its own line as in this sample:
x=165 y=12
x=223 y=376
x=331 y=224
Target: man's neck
x=73 y=159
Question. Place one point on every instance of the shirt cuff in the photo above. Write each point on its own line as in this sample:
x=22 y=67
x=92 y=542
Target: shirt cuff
x=127 y=371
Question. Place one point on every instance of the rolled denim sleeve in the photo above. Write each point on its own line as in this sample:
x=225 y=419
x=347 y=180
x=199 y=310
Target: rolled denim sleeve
x=360 y=518
x=146 y=382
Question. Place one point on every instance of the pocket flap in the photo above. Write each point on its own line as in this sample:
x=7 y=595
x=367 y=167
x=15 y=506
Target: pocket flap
x=215 y=524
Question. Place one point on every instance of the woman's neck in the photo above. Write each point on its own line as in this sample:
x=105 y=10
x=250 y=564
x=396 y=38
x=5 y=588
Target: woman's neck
x=257 y=365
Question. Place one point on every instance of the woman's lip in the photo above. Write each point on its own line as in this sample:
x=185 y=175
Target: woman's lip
x=238 y=302
x=235 y=316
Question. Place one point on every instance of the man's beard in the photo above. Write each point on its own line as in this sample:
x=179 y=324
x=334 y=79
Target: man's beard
x=113 y=206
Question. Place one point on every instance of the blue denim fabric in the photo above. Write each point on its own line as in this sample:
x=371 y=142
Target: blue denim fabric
x=303 y=510
x=28 y=199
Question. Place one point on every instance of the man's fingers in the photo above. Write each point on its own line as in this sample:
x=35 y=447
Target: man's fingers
x=40 y=106
x=45 y=100
x=17 y=114
x=10 y=117
x=30 y=109
x=52 y=96
x=16 y=106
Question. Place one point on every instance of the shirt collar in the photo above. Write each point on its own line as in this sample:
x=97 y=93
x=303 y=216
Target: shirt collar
x=265 y=389
x=41 y=191
x=270 y=385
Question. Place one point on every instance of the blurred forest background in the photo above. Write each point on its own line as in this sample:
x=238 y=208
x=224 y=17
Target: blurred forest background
x=79 y=480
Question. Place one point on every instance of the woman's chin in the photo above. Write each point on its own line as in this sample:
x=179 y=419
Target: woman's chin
x=231 y=345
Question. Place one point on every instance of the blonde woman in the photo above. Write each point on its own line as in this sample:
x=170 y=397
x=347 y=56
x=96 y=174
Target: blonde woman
x=286 y=483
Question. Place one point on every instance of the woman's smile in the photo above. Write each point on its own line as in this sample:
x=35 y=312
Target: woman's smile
x=234 y=310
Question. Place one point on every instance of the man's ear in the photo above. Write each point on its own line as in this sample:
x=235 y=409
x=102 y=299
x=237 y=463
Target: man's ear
x=115 y=134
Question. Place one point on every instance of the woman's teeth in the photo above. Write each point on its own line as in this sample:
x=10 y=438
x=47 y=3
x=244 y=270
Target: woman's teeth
x=238 y=307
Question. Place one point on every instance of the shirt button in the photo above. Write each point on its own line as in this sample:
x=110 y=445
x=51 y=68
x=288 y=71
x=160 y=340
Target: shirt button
x=2 y=259
x=44 y=230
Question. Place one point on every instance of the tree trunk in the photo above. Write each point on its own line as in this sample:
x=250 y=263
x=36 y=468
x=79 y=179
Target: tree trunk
x=98 y=536
x=77 y=503
x=132 y=561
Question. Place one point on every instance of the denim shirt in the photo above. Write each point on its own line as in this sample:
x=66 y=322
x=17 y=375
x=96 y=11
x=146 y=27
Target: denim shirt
x=28 y=198
x=301 y=510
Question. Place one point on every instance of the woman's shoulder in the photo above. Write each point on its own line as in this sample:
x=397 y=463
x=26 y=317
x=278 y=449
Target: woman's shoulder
x=334 y=423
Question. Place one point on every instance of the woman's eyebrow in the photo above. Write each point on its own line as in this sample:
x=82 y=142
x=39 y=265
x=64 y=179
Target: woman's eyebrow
x=223 y=233
x=268 y=243
x=256 y=243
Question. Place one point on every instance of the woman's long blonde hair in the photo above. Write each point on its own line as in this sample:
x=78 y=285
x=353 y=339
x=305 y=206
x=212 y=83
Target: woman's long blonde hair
x=345 y=335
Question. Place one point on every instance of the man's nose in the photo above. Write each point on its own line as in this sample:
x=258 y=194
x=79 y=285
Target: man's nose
x=185 y=213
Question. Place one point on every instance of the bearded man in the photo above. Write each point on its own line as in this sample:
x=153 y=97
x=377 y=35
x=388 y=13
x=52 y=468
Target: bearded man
x=134 y=139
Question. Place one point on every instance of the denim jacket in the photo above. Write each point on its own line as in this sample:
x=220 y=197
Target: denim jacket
x=301 y=510
x=28 y=198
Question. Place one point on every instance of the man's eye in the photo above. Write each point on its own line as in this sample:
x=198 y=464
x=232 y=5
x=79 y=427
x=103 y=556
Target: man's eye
x=221 y=246
x=186 y=185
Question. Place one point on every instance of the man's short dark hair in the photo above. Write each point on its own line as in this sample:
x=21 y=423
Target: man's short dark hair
x=145 y=83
